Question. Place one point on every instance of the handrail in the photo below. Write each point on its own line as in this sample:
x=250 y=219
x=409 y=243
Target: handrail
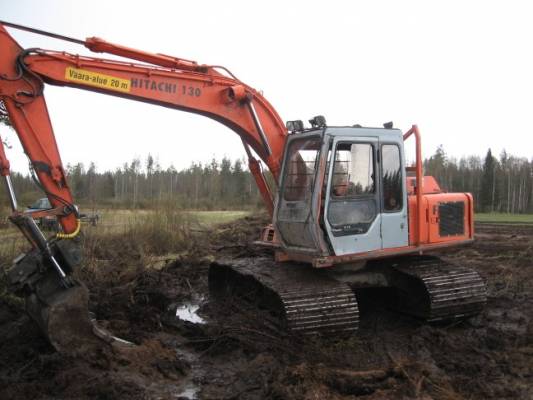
x=419 y=181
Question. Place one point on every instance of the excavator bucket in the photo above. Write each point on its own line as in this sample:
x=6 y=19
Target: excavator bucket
x=63 y=316
x=59 y=306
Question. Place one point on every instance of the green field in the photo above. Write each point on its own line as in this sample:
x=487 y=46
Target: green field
x=502 y=218
x=113 y=221
x=217 y=217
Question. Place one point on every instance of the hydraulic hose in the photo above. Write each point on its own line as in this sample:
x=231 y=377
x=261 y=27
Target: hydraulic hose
x=70 y=235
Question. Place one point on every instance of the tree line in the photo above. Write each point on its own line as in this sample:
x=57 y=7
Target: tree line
x=503 y=184
x=218 y=184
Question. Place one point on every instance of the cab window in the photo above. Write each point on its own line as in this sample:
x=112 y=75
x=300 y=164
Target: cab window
x=391 y=178
x=353 y=170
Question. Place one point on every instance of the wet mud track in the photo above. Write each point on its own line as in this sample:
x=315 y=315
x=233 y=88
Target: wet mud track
x=234 y=352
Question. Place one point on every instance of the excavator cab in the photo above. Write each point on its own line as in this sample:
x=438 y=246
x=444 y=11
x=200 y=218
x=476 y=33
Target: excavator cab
x=342 y=191
x=344 y=198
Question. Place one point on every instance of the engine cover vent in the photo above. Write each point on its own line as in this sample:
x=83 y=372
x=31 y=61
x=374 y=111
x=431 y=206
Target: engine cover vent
x=452 y=218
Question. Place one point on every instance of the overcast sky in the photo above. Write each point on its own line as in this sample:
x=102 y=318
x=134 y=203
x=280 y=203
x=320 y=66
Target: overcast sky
x=461 y=70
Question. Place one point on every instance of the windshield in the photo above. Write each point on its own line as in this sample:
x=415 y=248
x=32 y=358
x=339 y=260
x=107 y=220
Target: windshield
x=294 y=216
x=300 y=166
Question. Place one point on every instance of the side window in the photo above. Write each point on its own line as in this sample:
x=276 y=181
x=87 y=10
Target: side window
x=353 y=171
x=392 y=178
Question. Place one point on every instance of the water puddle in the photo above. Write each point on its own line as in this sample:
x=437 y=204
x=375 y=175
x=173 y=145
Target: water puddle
x=188 y=388
x=190 y=392
x=189 y=312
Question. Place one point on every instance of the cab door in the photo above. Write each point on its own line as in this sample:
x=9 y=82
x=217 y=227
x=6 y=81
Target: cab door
x=394 y=222
x=352 y=216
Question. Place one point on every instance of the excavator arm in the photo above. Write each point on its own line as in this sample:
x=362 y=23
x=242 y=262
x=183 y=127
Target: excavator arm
x=170 y=82
x=56 y=301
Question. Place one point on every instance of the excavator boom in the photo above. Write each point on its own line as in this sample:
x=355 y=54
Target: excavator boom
x=171 y=82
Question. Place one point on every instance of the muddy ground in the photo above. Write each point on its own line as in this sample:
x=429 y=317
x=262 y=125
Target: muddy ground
x=235 y=354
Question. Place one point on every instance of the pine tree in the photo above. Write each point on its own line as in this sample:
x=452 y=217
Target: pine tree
x=436 y=166
x=488 y=183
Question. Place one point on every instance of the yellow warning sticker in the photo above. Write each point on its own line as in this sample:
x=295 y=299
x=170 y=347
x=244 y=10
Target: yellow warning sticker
x=97 y=79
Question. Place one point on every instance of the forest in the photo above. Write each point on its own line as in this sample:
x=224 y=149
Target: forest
x=499 y=184
x=503 y=184
x=218 y=184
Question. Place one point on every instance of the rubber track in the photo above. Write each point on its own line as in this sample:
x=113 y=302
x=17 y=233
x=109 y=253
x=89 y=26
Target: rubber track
x=454 y=292
x=312 y=302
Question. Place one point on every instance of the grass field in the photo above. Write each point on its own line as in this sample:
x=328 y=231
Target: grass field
x=113 y=220
x=501 y=218
x=217 y=217
x=122 y=221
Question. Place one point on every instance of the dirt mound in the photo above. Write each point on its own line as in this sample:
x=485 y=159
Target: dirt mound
x=236 y=354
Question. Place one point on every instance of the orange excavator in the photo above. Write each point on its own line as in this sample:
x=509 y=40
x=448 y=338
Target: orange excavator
x=347 y=212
